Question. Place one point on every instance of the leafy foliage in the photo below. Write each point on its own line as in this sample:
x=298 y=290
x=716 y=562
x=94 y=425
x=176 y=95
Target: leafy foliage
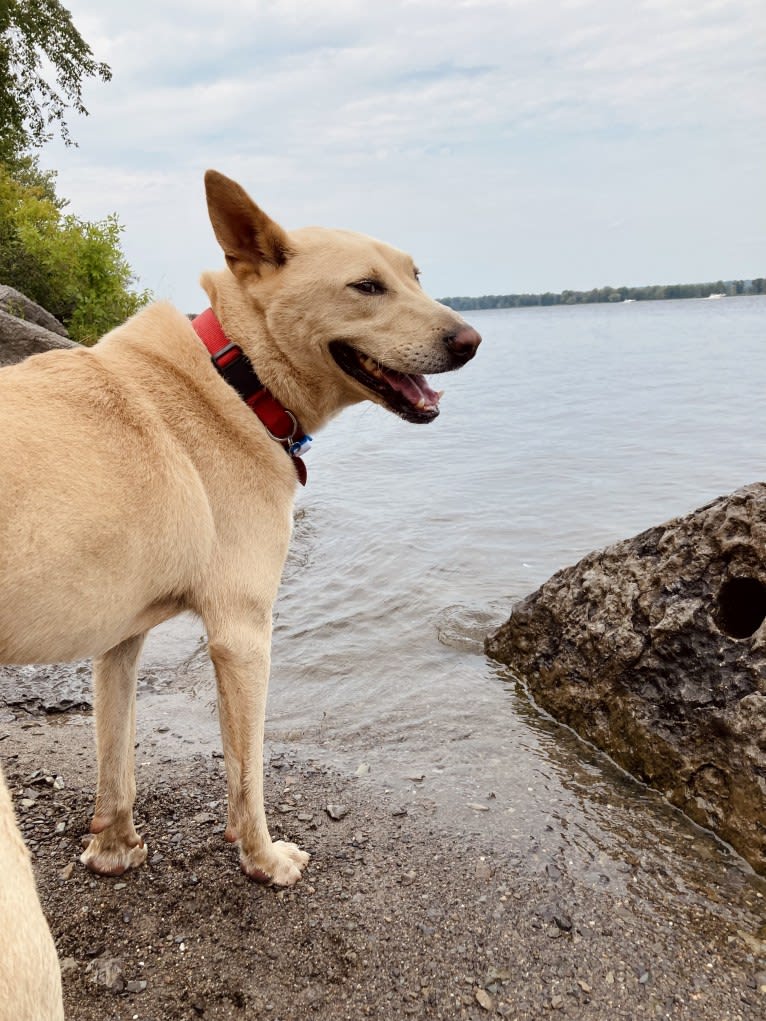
x=73 y=268
x=37 y=41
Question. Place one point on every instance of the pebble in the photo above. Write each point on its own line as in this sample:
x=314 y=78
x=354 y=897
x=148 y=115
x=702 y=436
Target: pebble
x=478 y=807
x=362 y=769
x=304 y=816
x=107 y=972
x=337 y=812
x=484 y=999
x=498 y=975
x=483 y=870
x=204 y=817
x=555 y=914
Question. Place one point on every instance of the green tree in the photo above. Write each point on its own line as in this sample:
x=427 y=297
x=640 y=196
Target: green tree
x=72 y=267
x=43 y=63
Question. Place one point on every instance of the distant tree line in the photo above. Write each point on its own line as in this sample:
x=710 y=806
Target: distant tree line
x=655 y=292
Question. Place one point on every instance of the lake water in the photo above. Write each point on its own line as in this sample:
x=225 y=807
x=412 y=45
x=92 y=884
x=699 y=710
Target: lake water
x=572 y=428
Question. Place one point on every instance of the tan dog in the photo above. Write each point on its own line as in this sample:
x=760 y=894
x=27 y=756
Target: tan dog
x=135 y=483
x=30 y=980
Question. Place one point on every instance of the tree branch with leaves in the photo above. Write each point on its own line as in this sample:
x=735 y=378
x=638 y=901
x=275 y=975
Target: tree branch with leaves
x=75 y=268
x=44 y=62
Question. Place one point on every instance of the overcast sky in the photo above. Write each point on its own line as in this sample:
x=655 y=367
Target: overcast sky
x=510 y=145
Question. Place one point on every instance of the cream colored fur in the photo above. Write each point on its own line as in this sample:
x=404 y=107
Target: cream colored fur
x=136 y=484
x=30 y=981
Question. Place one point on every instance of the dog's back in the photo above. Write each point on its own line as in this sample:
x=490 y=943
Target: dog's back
x=82 y=440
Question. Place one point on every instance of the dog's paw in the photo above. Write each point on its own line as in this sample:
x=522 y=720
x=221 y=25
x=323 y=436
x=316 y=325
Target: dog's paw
x=281 y=864
x=109 y=857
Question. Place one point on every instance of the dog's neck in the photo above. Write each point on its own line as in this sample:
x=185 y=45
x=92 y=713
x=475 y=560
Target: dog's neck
x=244 y=324
x=235 y=368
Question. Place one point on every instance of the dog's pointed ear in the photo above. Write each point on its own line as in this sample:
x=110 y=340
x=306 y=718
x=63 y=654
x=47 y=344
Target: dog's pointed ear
x=249 y=238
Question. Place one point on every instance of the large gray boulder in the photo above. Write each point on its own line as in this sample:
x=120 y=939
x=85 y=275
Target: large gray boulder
x=17 y=304
x=655 y=650
x=20 y=337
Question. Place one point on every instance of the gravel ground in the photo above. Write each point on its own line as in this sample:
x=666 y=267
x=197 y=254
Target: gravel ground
x=397 y=916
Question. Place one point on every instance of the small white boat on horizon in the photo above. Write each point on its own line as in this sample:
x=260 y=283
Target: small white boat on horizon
x=715 y=295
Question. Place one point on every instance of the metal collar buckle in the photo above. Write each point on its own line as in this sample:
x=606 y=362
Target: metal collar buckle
x=295 y=448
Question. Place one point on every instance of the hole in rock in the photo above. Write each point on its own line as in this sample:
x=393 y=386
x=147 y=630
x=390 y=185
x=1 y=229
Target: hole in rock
x=741 y=607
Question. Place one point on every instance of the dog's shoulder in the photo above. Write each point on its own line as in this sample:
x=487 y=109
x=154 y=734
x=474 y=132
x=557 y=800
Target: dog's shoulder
x=155 y=325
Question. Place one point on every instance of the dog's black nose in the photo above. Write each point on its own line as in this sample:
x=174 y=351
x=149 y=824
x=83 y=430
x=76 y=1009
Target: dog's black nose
x=463 y=344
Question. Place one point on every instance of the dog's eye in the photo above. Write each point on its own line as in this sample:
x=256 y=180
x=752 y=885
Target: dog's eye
x=368 y=287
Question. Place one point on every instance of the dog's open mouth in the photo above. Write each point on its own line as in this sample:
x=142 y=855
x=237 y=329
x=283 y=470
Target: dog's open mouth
x=408 y=395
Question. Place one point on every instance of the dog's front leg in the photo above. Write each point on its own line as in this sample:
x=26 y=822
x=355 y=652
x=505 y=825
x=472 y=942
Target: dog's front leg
x=114 y=845
x=241 y=657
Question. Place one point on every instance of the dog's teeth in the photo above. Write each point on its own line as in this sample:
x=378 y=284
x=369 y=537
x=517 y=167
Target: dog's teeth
x=439 y=394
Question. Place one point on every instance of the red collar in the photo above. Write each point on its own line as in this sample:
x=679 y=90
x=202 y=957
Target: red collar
x=235 y=367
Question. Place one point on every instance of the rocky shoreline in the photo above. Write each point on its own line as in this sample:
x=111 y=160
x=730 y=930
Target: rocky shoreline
x=398 y=915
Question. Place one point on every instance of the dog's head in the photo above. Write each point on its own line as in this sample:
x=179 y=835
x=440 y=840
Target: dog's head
x=345 y=317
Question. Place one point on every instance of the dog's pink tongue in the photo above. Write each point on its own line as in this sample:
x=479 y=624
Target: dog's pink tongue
x=414 y=388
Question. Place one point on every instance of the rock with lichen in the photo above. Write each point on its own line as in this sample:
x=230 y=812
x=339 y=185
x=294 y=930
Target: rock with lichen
x=654 y=649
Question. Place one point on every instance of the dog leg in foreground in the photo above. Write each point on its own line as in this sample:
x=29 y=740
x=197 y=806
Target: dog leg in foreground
x=241 y=659
x=114 y=845
x=30 y=979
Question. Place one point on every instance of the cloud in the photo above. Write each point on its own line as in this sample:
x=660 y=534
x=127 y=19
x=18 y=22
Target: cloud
x=474 y=126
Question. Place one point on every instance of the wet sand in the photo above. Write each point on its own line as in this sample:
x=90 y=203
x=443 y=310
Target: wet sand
x=399 y=914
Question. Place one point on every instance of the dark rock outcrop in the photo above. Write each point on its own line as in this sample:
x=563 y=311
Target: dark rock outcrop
x=17 y=304
x=655 y=650
x=26 y=328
